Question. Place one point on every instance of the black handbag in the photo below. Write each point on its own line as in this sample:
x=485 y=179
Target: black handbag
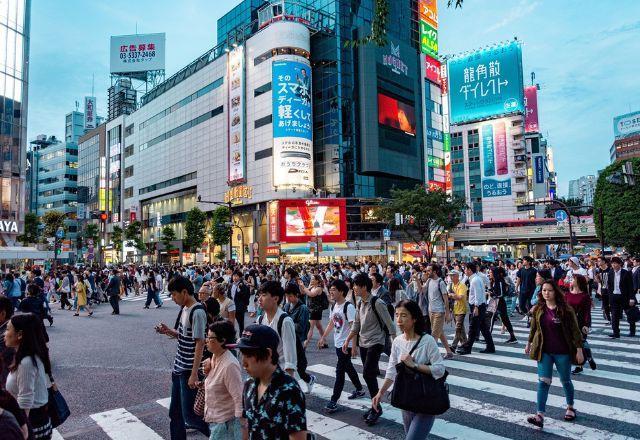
x=57 y=407
x=418 y=392
x=633 y=314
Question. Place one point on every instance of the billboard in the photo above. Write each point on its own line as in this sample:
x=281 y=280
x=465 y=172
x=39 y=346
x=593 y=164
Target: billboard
x=428 y=39
x=273 y=212
x=432 y=69
x=539 y=169
x=137 y=53
x=486 y=83
x=235 y=121
x=396 y=114
x=531 y=106
x=428 y=12
x=301 y=220
x=494 y=163
x=89 y=112
x=627 y=124
x=292 y=124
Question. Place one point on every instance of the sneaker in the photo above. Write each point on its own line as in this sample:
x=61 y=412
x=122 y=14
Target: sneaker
x=331 y=407
x=357 y=394
x=592 y=364
x=367 y=413
x=511 y=340
x=488 y=351
x=577 y=370
x=373 y=417
x=312 y=381
x=525 y=318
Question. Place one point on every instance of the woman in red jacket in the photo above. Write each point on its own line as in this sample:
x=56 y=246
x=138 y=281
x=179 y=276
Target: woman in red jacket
x=580 y=300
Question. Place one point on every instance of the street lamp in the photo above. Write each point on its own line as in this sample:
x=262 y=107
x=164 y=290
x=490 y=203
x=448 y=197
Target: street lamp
x=316 y=227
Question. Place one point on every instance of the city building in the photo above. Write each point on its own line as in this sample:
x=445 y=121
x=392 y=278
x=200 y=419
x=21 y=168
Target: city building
x=14 y=76
x=626 y=131
x=74 y=127
x=302 y=134
x=583 y=188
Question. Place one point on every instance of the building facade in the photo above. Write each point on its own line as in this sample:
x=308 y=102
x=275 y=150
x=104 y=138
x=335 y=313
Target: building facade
x=583 y=188
x=14 y=75
x=626 y=132
x=73 y=127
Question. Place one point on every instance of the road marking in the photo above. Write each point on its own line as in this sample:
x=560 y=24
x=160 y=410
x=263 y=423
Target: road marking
x=334 y=429
x=164 y=402
x=55 y=435
x=120 y=424
x=592 y=342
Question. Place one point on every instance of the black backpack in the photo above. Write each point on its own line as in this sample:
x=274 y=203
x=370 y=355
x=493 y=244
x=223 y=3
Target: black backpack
x=280 y=320
x=387 y=339
x=196 y=307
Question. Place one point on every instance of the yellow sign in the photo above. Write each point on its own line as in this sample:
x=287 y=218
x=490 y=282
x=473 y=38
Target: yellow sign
x=238 y=192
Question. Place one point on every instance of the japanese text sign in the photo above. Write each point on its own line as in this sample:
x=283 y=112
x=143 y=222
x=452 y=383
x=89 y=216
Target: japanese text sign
x=137 y=53
x=531 y=106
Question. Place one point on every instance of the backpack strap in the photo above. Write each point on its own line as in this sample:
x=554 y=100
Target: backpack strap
x=373 y=306
x=344 y=310
x=280 y=321
x=196 y=307
x=177 y=324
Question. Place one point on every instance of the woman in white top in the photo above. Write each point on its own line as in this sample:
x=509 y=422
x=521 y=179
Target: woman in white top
x=227 y=306
x=426 y=359
x=28 y=380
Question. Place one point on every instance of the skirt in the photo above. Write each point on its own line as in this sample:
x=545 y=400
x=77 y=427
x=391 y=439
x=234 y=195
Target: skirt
x=40 y=423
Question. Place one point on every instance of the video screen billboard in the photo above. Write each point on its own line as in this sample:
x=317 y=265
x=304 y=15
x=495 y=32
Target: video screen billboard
x=396 y=114
x=301 y=220
x=137 y=53
x=531 y=105
x=292 y=124
x=486 y=83
x=625 y=125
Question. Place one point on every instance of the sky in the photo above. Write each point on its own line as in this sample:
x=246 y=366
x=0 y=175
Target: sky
x=584 y=54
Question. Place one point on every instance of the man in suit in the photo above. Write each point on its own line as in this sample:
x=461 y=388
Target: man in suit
x=622 y=296
x=239 y=293
x=113 y=290
x=604 y=272
x=635 y=271
x=556 y=271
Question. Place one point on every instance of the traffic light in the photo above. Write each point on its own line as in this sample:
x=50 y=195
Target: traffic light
x=58 y=250
x=103 y=216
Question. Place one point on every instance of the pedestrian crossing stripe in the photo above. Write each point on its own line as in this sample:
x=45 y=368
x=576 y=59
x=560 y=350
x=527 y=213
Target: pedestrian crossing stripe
x=592 y=342
x=120 y=424
x=164 y=297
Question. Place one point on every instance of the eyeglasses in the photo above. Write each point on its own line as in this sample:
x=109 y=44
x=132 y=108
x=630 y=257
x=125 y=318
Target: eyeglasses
x=213 y=338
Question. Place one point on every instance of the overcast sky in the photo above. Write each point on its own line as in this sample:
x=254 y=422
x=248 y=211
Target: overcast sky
x=584 y=54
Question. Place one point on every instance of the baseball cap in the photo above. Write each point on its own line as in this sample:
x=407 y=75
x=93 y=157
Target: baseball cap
x=257 y=336
x=454 y=272
x=575 y=261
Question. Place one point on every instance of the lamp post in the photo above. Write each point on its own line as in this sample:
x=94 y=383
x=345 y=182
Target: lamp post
x=316 y=227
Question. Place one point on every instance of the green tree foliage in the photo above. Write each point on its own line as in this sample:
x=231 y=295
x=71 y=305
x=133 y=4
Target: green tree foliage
x=427 y=214
x=53 y=220
x=31 y=232
x=194 y=230
x=574 y=205
x=220 y=233
x=620 y=204
x=167 y=236
x=133 y=235
x=117 y=240
x=91 y=232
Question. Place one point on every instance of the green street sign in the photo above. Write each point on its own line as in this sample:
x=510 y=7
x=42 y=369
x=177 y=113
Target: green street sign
x=428 y=39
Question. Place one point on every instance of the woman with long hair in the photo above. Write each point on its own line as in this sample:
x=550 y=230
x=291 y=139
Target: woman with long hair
x=396 y=291
x=498 y=290
x=554 y=339
x=579 y=298
x=425 y=359
x=81 y=293
x=30 y=373
x=152 y=291
x=314 y=302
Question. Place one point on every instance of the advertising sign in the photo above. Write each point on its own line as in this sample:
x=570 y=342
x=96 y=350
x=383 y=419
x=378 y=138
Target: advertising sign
x=137 y=53
x=396 y=114
x=539 y=169
x=428 y=12
x=237 y=151
x=531 y=106
x=432 y=69
x=394 y=61
x=435 y=185
x=496 y=179
x=486 y=83
x=89 y=112
x=625 y=125
x=428 y=39
x=273 y=212
x=292 y=124
x=301 y=220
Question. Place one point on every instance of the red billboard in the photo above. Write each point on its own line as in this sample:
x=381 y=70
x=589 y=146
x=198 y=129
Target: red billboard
x=396 y=114
x=531 y=108
x=301 y=220
x=432 y=69
x=434 y=185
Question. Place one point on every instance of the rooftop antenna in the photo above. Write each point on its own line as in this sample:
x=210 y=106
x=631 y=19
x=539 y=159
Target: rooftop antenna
x=93 y=80
x=136 y=28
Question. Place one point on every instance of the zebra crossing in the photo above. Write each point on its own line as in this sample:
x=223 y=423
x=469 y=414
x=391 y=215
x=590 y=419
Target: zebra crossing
x=491 y=395
x=143 y=296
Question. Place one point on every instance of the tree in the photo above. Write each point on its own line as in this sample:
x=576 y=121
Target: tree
x=574 y=205
x=91 y=232
x=133 y=235
x=117 y=238
x=31 y=232
x=427 y=214
x=620 y=205
x=167 y=236
x=194 y=230
x=53 y=220
x=220 y=232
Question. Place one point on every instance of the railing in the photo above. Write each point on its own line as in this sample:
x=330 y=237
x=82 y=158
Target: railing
x=525 y=233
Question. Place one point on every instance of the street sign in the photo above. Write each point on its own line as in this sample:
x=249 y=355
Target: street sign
x=527 y=207
x=60 y=233
x=561 y=216
x=51 y=240
x=386 y=233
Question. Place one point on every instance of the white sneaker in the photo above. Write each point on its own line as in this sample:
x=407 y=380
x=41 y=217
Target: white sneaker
x=311 y=383
x=524 y=319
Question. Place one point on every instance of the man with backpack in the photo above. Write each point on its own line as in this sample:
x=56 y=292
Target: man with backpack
x=300 y=314
x=373 y=325
x=190 y=330
x=439 y=311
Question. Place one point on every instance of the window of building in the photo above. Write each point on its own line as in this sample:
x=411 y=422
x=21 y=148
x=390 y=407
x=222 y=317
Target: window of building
x=262 y=89
x=167 y=183
x=280 y=51
x=263 y=154
x=263 y=121
x=128 y=151
x=128 y=171
x=128 y=192
x=128 y=131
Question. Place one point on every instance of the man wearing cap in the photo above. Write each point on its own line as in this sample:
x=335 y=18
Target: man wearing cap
x=273 y=403
x=574 y=269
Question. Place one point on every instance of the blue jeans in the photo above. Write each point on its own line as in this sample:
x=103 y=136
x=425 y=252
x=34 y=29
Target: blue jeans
x=416 y=426
x=181 y=408
x=230 y=430
x=545 y=371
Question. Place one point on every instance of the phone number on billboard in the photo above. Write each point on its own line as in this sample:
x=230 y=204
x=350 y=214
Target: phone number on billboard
x=145 y=54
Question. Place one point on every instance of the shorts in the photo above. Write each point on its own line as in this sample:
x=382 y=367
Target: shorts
x=315 y=315
x=437 y=324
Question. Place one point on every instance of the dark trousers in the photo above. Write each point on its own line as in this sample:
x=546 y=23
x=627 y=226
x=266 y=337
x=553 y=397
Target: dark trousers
x=152 y=296
x=301 y=364
x=181 y=408
x=240 y=311
x=606 y=306
x=479 y=324
x=370 y=357
x=64 y=300
x=343 y=366
x=524 y=301
x=617 y=306
x=114 y=300
x=501 y=311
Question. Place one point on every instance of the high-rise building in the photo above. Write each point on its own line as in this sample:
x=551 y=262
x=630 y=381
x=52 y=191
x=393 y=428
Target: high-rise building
x=626 y=131
x=583 y=188
x=74 y=127
x=14 y=75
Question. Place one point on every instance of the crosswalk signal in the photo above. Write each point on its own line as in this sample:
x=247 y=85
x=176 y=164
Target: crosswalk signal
x=103 y=216
x=58 y=250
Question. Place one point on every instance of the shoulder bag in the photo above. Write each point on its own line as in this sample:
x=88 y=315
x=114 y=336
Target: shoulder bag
x=418 y=392
x=57 y=407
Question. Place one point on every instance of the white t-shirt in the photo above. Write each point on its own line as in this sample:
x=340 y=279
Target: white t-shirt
x=342 y=327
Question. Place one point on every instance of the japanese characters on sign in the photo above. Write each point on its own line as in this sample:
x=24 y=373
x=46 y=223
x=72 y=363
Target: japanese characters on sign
x=486 y=83
x=274 y=221
x=428 y=39
x=428 y=12
x=496 y=179
x=137 y=53
x=531 y=106
x=89 y=112
x=237 y=193
x=292 y=124
x=237 y=151
x=626 y=125
x=432 y=70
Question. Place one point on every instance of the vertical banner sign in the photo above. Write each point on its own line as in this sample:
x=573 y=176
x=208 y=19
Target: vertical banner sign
x=292 y=134
x=432 y=70
x=274 y=221
x=235 y=106
x=531 y=106
x=428 y=39
x=89 y=112
x=496 y=179
x=539 y=165
x=428 y=12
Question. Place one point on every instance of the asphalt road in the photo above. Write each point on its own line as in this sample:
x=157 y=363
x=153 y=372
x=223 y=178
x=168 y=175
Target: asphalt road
x=108 y=365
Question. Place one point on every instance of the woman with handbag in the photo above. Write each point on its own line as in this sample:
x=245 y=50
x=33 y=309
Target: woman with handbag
x=579 y=298
x=555 y=338
x=28 y=379
x=416 y=351
x=497 y=291
x=317 y=301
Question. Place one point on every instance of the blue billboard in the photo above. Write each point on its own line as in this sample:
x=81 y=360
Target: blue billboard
x=486 y=83
x=539 y=169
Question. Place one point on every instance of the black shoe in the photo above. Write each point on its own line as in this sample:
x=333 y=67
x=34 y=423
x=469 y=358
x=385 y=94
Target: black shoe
x=366 y=414
x=331 y=407
x=488 y=351
x=463 y=351
x=631 y=335
x=592 y=364
x=356 y=394
x=373 y=417
x=612 y=336
x=577 y=370
x=511 y=340
x=145 y=307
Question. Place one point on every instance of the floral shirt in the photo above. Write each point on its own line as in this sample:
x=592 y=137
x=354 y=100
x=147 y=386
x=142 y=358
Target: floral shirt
x=280 y=411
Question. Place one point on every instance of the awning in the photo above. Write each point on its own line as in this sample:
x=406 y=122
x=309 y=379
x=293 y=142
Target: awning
x=23 y=253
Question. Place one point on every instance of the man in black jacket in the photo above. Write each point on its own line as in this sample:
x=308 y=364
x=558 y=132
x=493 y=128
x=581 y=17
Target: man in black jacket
x=604 y=273
x=113 y=290
x=622 y=296
x=239 y=293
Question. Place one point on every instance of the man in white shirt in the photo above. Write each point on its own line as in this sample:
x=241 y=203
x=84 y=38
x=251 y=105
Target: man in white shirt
x=478 y=305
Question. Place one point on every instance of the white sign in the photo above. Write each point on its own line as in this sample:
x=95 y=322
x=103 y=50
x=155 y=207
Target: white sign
x=625 y=125
x=137 y=53
x=237 y=154
x=394 y=61
x=8 y=226
x=89 y=112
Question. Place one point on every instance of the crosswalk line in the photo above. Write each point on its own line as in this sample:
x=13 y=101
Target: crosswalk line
x=55 y=435
x=592 y=335
x=164 y=402
x=120 y=424
x=334 y=429
x=592 y=342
